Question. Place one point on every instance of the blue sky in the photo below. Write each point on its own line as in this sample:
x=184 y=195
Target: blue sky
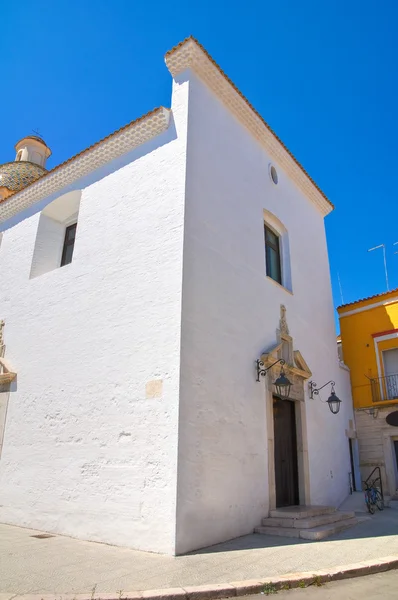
x=322 y=74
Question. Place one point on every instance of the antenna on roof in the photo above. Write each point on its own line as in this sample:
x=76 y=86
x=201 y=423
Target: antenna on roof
x=341 y=291
x=36 y=132
x=385 y=262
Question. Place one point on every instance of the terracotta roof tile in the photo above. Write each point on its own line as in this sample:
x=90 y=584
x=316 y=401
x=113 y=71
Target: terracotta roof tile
x=368 y=298
x=72 y=158
x=161 y=108
x=251 y=107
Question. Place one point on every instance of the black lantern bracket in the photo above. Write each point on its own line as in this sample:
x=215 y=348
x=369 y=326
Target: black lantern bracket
x=333 y=401
x=262 y=370
x=282 y=384
x=314 y=391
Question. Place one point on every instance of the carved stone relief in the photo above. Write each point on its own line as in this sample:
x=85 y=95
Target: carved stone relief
x=2 y=348
x=7 y=374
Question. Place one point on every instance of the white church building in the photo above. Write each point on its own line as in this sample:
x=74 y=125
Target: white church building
x=141 y=281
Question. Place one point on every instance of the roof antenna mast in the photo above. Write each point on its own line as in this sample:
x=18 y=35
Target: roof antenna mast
x=340 y=288
x=385 y=262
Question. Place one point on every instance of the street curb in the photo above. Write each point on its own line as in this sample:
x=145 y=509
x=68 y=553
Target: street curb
x=235 y=588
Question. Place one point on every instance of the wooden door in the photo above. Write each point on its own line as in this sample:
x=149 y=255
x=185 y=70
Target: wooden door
x=396 y=451
x=354 y=487
x=285 y=452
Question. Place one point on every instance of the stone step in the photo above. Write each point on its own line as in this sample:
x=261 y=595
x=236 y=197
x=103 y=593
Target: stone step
x=301 y=512
x=279 y=531
x=318 y=533
x=314 y=533
x=309 y=522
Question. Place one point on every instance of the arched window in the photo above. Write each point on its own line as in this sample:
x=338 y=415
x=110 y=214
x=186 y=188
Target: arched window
x=19 y=156
x=56 y=234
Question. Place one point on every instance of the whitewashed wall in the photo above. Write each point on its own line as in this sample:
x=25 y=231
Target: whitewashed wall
x=328 y=442
x=85 y=452
x=230 y=315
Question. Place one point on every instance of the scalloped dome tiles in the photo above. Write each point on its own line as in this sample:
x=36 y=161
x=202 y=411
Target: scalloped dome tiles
x=28 y=166
x=14 y=176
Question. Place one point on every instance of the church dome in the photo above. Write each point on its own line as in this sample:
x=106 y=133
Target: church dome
x=29 y=165
x=35 y=138
x=14 y=176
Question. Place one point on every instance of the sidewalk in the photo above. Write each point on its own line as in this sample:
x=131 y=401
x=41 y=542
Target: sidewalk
x=61 y=565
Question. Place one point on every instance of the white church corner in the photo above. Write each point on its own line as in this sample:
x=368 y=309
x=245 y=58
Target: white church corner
x=142 y=280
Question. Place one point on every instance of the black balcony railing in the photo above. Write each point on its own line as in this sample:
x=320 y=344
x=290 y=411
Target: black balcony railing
x=384 y=388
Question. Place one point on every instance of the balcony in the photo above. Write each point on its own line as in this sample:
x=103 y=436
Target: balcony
x=384 y=388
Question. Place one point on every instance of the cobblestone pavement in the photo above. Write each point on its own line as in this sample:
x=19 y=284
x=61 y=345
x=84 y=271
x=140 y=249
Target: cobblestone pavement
x=383 y=586
x=61 y=565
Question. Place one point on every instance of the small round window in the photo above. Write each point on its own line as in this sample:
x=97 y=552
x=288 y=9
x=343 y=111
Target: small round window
x=273 y=174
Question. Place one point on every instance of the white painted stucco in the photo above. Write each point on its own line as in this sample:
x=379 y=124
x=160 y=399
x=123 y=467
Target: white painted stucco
x=230 y=315
x=136 y=418
x=85 y=452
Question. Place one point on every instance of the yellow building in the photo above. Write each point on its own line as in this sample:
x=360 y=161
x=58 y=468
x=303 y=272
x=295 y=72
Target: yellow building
x=369 y=347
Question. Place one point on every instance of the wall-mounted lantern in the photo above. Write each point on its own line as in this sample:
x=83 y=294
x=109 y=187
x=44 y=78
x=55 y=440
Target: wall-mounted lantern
x=372 y=412
x=282 y=383
x=333 y=400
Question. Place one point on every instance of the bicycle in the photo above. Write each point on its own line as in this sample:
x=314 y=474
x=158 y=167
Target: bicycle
x=373 y=497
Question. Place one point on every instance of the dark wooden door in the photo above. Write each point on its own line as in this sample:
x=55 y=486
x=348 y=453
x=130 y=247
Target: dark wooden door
x=354 y=487
x=285 y=440
x=396 y=451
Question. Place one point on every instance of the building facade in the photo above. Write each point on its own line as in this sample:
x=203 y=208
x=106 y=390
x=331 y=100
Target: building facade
x=369 y=337
x=141 y=281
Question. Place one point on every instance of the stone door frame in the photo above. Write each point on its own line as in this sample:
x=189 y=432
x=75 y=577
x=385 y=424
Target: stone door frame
x=298 y=373
x=390 y=462
x=302 y=440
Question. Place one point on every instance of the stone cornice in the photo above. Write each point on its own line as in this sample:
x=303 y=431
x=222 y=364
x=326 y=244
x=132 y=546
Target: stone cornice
x=125 y=139
x=189 y=54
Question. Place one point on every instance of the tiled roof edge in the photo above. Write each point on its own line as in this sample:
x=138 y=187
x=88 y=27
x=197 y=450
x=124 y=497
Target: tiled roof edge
x=115 y=144
x=394 y=291
x=190 y=60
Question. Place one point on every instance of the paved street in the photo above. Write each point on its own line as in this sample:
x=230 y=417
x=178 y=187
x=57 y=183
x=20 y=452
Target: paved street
x=383 y=586
x=60 y=565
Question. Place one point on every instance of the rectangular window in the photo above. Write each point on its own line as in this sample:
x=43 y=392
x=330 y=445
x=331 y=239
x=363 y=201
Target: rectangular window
x=69 y=243
x=390 y=360
x=272 y=255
